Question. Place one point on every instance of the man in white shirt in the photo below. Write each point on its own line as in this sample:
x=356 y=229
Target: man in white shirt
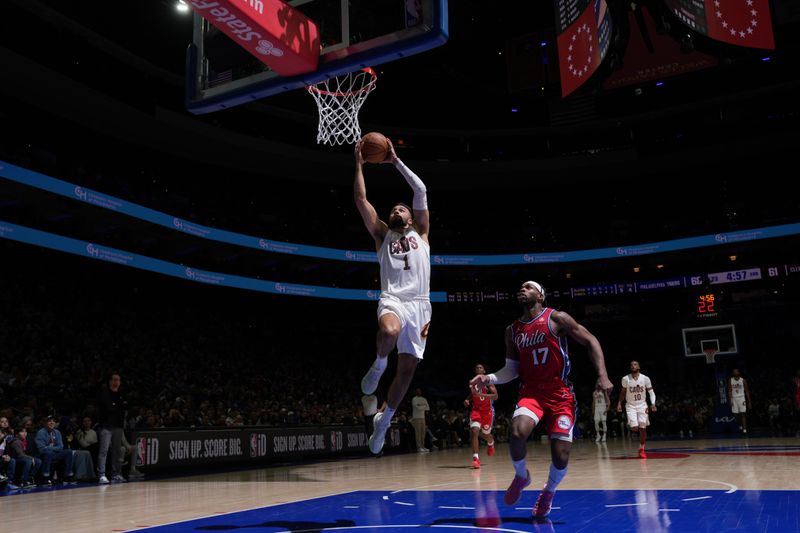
x=419 y=407
x=404 y=309
x=600 y=403
x=634 y=386
x=739 y=393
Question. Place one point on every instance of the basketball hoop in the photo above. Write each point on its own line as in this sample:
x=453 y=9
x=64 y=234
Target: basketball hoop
x=339 y=99
x=711 y=354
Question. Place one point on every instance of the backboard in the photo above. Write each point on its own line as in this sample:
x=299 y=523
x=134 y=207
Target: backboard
x=354 y=34
x=722 y=337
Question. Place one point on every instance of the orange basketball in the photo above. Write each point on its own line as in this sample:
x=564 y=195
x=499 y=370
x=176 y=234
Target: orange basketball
x=374 y=147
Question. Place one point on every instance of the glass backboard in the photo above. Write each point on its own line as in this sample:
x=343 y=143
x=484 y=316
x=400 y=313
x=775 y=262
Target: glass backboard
x=723 y=337
x=354 y=34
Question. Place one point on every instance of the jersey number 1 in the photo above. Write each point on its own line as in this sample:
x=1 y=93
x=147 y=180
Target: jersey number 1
x=405 y=260
x=543 y=359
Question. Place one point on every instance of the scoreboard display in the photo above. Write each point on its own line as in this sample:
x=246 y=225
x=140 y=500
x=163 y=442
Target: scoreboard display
x=706 y=305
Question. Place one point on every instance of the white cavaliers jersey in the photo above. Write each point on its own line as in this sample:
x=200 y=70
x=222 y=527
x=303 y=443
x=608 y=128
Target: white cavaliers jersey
x=599 y=401
x=636 y=389
x=405 y=261
x=737 y=387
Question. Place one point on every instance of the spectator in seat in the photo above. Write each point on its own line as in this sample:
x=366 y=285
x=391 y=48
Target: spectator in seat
x=87 y=437
x=28 y=465
x=50 y=445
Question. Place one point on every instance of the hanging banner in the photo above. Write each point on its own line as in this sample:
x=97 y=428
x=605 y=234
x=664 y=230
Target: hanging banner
x=584 y=31
x=740 y=22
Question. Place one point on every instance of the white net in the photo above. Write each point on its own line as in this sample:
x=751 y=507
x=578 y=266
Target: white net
x=339 y=100
x=711 y=355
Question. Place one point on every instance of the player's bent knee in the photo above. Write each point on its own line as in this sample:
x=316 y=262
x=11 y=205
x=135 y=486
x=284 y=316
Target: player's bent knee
x=390 y=330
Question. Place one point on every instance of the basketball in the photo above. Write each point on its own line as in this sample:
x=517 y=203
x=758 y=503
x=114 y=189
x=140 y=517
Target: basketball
x=374 y=147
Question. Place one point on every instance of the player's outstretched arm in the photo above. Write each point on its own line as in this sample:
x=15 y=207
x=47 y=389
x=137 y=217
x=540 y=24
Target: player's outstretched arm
x=565 y=324
x=420 y=203
x=505 y=374
x=375 y=226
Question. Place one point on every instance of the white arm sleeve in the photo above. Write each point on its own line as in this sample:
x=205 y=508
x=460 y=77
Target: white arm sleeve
x=420 y=192
x=651 y=392
x=505 y=374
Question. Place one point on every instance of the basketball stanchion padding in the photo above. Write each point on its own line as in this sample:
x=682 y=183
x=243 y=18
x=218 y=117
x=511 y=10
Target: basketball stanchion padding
x=276 y=33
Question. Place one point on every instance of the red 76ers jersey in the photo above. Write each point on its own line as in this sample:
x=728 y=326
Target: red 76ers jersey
x=543 y=359
x=479 y=401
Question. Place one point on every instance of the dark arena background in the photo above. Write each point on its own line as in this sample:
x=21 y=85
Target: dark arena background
x=167 y=216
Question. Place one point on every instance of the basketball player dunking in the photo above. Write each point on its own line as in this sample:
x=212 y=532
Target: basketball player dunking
x=404 y=310
x=634 y=386
x=536 y=351
x=481 y=417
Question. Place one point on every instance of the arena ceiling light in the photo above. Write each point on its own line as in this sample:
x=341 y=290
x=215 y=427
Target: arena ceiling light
x=182 y=7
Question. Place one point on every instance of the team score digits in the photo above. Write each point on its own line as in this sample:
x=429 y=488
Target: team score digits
x=543 y=359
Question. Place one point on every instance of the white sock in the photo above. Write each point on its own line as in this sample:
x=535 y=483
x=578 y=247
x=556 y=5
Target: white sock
x=554 y=478
x=519 y=467
x=475 y=456
x=380 y=363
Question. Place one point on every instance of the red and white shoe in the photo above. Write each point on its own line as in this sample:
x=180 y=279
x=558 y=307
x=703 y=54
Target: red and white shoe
x=543 y=504
x=476 y=463
x=514 y=491
x=490 y=450
x=642 y=454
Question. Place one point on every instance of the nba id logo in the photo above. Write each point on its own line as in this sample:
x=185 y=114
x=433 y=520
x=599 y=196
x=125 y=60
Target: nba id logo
x=258 y=445
x=337 y=443
x=146 y=451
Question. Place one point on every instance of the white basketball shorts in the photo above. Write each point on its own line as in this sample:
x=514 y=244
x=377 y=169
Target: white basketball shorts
x=637 y=416
x=738 y=405
x=415 y=318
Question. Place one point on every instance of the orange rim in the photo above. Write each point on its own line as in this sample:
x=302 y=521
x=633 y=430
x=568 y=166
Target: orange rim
x=365 y=88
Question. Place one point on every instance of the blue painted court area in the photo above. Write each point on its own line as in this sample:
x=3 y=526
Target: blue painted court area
x=618 y=511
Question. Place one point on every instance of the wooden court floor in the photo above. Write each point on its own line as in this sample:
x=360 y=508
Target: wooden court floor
x=722 y=466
